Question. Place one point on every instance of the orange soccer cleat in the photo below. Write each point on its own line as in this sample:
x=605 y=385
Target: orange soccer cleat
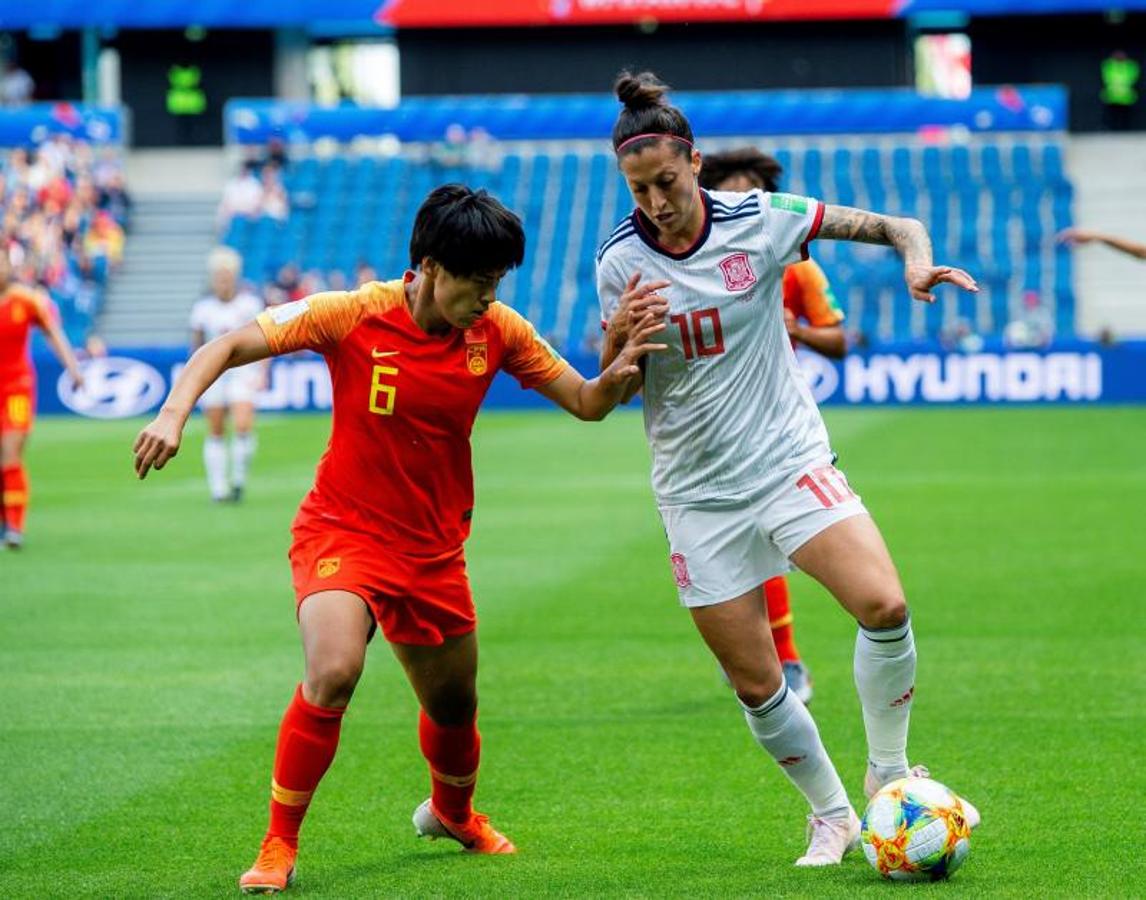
x=476 y=835
x=273 y=870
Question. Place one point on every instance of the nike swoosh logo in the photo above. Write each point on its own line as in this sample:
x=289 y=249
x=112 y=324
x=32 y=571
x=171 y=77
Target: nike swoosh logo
x=378 y=354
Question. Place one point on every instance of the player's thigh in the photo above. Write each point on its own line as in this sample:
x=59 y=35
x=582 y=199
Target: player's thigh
x=243 y=416
x=444 y=677
x=335 y=627
x=739 y=636
x=851 y=560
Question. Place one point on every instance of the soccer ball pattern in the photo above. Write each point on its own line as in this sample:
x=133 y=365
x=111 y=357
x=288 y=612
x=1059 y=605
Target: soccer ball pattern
x=915 y=829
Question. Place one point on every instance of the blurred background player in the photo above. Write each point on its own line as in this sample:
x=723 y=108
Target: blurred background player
x=21 y=308
x=1078 y=236
x=226 y=309
x=813 y=318
x=379 y=540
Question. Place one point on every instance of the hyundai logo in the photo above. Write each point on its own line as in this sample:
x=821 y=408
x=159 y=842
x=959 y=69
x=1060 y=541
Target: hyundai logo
x=114 y=388
x=823 y=377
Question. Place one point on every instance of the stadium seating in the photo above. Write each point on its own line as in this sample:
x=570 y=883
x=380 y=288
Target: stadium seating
x=993 y=207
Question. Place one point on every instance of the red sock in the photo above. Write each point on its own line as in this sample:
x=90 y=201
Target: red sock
x=453 y=754
x=780 y=618
x=308 y=738
x=15 y=486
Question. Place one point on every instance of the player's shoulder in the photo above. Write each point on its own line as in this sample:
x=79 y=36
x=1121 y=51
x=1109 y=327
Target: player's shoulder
x=736 y=206
x=377 y=297
x=624 y=232
x=502 y=317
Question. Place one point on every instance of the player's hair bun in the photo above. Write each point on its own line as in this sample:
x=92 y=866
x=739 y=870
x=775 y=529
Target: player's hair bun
x=641 y=91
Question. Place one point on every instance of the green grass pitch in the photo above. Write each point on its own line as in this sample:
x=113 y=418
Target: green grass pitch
x=148 y=648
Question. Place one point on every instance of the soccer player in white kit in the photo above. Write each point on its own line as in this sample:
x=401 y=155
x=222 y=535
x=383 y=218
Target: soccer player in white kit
x=743 y=472
x=227 y=309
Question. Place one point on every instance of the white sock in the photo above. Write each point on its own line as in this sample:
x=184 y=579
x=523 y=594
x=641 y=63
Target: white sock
x=215 y=461
x=783 y=726
x=885 y=680
x=242 y=449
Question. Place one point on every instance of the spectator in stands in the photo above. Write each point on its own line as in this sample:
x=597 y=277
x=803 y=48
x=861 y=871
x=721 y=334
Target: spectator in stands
x=274 y=203
x=242 y=196
x=16 y=87
x=1078 y=236
x=1033 y=327
x=363 y=273
x=104 y=241
x=451 y=152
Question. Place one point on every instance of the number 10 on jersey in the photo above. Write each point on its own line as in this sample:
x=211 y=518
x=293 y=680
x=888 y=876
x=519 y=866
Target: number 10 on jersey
x=693 y=336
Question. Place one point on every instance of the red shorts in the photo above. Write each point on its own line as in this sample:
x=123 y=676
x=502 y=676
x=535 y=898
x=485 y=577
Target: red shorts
x=17 y=406
x=414 y=599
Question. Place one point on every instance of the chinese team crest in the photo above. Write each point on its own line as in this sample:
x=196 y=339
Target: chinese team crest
x=476 y=360
x=328 y=566
x=477 y=350
x=737 y=272
x=680 y=570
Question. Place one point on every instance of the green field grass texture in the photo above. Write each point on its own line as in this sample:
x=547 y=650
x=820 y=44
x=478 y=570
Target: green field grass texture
x=148 y=648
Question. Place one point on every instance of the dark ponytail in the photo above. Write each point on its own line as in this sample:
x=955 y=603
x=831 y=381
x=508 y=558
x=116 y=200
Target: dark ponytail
x=647 y=111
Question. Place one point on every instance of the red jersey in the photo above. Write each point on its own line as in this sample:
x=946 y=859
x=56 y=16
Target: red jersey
x=20 y=309
x=397 y=466
x=808 y=295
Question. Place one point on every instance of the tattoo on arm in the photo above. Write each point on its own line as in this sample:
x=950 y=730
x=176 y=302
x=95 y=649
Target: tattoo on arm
x=907 y=236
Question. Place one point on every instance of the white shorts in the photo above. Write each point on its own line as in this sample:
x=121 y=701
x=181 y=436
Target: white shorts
x=719 y=553
x=239 y=385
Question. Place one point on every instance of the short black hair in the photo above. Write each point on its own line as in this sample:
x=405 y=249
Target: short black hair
x=761 y=169
x=466 y=232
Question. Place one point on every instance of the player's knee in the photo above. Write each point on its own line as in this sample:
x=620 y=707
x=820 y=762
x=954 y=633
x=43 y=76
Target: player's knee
x=331 y=682
x=452 y=708
x=755 y=691
x=887 y=610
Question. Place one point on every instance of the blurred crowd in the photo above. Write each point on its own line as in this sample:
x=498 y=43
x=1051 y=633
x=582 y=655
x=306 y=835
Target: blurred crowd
x=256 y=191
x=65 y=214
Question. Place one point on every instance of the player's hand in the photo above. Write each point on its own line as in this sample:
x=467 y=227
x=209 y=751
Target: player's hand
x=78 y=380
x=634 y=304
x=1074 y=236
x=156 y=444
x=627 y=363
x=791 y=323
x=921 y=279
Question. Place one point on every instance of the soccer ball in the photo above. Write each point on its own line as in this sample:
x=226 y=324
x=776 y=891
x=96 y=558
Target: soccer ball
x=915 y=829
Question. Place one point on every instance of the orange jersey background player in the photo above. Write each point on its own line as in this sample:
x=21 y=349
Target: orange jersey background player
x=813 y=318
x=22 y=309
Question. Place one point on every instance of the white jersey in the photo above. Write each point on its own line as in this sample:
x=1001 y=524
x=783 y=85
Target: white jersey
x=727 y=409
x=215 y=317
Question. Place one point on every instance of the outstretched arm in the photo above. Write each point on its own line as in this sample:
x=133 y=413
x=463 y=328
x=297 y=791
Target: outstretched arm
x=60 y=345
x=907 y=236
x=593 y=399
x=159 y=441
x=1076 y=236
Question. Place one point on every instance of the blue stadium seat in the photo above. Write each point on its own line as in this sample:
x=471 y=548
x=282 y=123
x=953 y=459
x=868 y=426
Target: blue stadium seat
x=992 y=207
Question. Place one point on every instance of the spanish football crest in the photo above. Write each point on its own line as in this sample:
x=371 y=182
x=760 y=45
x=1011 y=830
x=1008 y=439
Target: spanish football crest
x=477 y=350
x=737 y=272
x=328 y=566
x=680 y=570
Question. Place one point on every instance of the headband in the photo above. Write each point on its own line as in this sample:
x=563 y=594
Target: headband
x=643 y=137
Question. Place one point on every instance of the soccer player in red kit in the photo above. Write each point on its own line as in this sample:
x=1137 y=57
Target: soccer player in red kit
x=378 y=541
x=21 y=308
x=813 y=318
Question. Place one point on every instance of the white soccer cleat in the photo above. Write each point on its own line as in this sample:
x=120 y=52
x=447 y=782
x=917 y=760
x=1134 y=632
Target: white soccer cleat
x=872 y=783
x=831 y=839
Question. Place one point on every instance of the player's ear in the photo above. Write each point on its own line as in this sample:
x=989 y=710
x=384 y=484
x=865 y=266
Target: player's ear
x=696 y=162
x=429 y=267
